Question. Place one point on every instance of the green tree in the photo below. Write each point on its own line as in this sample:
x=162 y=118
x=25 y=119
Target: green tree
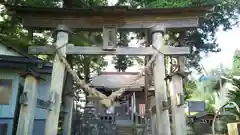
x=224 y=16
x=234 y=94
x=13 y=33
x=231 y=114
x=236 y=63
x=207 y=87
x=122 y=61
x=203 y=91
x=189 y=88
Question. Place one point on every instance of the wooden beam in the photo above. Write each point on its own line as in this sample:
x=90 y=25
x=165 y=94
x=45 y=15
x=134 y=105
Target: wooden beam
x=170 y=50
x=56 y=88
x=110 y=11
x=92 y=50
x=140 y=51
x=122 y=17
x=96 y=24
x=27 y=111
x=162 y=116
x=140 y=89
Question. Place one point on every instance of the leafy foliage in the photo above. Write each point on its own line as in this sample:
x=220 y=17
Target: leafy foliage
x=41 y=3
x=234 y=95
x=82 y=64
x=88 y=3
x=221 y=71
x=205 y=88
x=232 y=113
x=224 y=16
x=203 y=39
x=201 y=90
x=122 y=62
x=236 y=63
x=15 y=34
x=189 y=89
x=205 y=93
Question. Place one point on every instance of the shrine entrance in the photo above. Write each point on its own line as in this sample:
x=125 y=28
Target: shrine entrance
x=153 y=22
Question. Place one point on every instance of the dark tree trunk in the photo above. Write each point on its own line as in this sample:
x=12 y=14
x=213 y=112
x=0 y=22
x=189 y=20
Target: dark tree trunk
x=87 y=68
x=67 y=3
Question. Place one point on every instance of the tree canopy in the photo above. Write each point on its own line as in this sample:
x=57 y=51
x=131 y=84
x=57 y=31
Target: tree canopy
x=203 y=39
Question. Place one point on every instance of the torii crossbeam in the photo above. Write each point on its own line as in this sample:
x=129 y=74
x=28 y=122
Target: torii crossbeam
x=95 y=19
x=110 y=20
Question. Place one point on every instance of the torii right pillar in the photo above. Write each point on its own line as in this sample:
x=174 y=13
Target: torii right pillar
x=161 y=121
x=177 y=100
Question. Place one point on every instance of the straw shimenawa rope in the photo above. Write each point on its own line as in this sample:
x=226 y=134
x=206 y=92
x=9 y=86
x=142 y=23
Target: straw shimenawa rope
x=80 y=83
x=140 y=74
x=106 y=101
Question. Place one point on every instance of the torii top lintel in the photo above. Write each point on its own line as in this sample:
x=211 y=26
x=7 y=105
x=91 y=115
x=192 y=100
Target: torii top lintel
x=121 y=17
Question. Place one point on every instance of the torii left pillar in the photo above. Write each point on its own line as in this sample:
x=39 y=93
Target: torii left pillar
x=56 y=88
x=28 y=105
x=162 y=115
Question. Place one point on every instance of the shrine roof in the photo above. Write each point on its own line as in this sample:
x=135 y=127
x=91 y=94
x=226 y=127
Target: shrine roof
x=116 y=80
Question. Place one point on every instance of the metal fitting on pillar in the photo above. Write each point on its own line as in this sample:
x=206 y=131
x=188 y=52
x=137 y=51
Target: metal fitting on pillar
x=166 y=105
x=24 y=98
x=178 y=73
x=53 y=97
x=157 y=28
x=31 y=73
x=180 y=99
x=63 y=28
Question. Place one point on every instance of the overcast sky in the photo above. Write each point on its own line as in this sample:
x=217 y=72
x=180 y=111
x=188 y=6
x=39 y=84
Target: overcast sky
x=228 y=41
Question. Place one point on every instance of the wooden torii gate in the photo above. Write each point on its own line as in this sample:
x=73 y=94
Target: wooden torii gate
x=110 y=20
